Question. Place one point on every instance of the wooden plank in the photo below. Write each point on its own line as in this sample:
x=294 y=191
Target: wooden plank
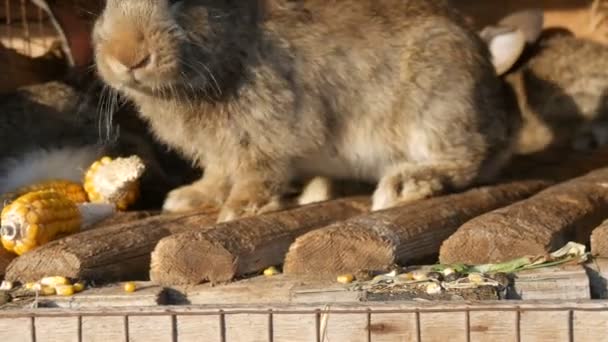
x=401 y=234
x=147 y=294
x=198 y=328
x=117 y=252
x=16 y=329
x=103 y=329
x=247 y=327
x=343 y=327
x=493 y=326
x=590 y=326
x=437 y=326
x=534 y=226
x=545 y=326
x=566 y=282
x=388 y=327
x=244 y=246
x=56 y=329
x=150 y=328
x=599 y=240
x=294 y=328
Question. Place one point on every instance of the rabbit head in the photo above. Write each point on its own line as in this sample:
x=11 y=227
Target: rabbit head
x=157 y=47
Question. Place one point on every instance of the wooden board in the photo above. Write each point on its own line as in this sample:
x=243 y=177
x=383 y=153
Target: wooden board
x=517 y=320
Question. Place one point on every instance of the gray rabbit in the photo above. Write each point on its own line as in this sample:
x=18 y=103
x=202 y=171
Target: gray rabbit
x=560 y=81
x=261 y=93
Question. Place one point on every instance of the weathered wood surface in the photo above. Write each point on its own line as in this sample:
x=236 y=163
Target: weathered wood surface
x=597 y=271
x=568 y=282
x=117 y=252
x=379 y=239
x=5 y=260
x=528 y=321
x=599 y=240
x=534 y=226
x=245 y=246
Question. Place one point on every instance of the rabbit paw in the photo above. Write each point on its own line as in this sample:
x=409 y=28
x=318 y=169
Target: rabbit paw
x=394 y=189
x=249 y=204
x=191 y=197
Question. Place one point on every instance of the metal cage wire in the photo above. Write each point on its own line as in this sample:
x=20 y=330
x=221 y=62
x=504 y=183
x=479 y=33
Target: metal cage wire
x=26 y=28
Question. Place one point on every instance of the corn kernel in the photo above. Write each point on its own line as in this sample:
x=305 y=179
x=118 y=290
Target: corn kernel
x=433 y=289
x=271 y=271
x=64 y=290
x=47 y=290
x=30 y=285
x=78 y=287
x=345 y=278
x=54 y=281
x=476 y=278
x=6 y=285
x=130 y=287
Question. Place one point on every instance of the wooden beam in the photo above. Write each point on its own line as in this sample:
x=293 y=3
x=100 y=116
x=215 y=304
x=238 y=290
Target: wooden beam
x=117 y=252
x=243 y=246
x=377 y=240
x=535 y=226
x=599 y=240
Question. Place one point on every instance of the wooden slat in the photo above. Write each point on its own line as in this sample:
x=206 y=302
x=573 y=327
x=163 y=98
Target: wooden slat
x=545 y=326
x=567 y=282
x=590 y=326
x=246 y=327
x=493 y=326
x=150 y=328
x=198 y=328
x=103 y=329
x=147 y=294
x=56 y=329
x=294 y=328
x=393 y=327
x=343 y=327
x=15 y=329
x=433 y=326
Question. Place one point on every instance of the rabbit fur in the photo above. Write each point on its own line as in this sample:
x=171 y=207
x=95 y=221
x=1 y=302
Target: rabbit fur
x=401 y=93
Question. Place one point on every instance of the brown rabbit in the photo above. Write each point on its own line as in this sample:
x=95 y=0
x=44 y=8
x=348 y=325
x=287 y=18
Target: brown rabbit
x=261 y=93
x=561 y=82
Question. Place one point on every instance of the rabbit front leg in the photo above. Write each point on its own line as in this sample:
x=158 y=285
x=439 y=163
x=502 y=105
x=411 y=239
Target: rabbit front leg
x=258 y=188
x=409 y=182
x=208 y=192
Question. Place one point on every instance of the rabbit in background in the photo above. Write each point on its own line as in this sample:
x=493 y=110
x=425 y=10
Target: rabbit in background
x=560 y=81
x=52 y=131
x=400 y=93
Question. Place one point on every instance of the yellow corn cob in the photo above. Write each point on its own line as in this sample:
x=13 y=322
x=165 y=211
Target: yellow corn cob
x=37 y=218
x=72 y=190
x=114 y=181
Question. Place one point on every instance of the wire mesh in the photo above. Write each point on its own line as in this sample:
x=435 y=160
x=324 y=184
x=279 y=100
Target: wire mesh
x=25 y=28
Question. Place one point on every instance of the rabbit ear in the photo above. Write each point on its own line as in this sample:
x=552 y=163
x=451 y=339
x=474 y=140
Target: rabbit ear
x=530 y=22
x=506 y=46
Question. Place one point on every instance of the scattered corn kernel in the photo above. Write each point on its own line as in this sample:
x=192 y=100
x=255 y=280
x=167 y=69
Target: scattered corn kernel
x=447 y=271
x=47 y=290
x=345 y=278
x=6 y=285
x=130 y=287
x=37 y=218
x=433 y=288
x=406 y=276
x=271 y=271
x=476 y=278
x=419 y=275
x=64 y=290
x=54 y=281
x=30 y=285
x=78 y=286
